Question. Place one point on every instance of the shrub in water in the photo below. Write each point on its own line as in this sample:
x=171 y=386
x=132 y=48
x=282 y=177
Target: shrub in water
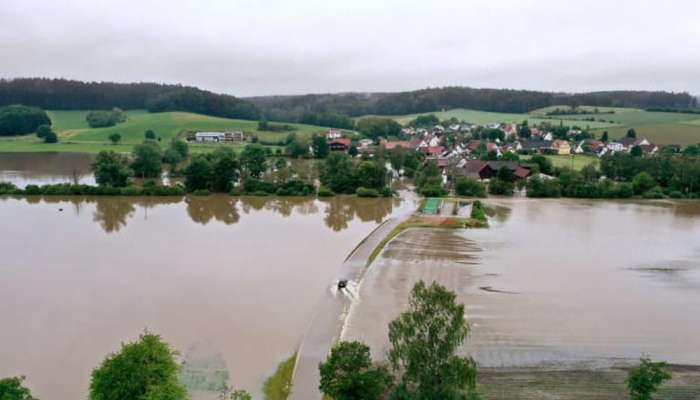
x=366 y=192
x=325 y=192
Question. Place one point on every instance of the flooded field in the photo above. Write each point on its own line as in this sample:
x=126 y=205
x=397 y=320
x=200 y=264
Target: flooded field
x=23 y=169
x=232 y=283
x=554 y=283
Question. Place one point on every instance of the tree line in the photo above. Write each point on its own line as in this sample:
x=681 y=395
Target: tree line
x=64 y=94
x=295 y=108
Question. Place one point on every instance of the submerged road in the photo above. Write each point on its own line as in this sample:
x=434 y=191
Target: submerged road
x=329 y=319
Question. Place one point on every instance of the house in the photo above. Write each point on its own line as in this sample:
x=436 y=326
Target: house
x=589 y=145
x=475 y=169
x=488 y=169
x=520 y=171
x=210 y=137
x=390 y=145
x=234 y=136
x=537 y=146
x=629 y=142
x=433 y=151
x=493 y=125
x=364 y=143
x=341 y=144
x=334 y=134
x=408 y=131
x=615 y=146
x=510 y=130
x=562 y=147
x=649 y=149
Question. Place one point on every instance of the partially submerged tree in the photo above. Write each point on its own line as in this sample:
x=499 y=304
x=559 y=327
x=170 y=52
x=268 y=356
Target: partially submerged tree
x=348 y=374
x=424 y=343
x=111 y=169
x=13 y=389
x=141 y=370
x=148 y=158
x=645 y=380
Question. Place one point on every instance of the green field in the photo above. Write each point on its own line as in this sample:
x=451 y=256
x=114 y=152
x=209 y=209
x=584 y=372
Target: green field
x=76 y=136
x=485 y=117
x=658 y=127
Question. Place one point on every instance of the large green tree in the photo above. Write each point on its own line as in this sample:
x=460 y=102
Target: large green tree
x=111 y=169
x=13 y=389
x=254 y=160
x=377 y=127
x=424 y=343
x=224 y=169
x=319 y=145
x=198 y=174
x=337 y=172
x=21 y=120
x=147 y=160
x=141 y=370
x=348 y=374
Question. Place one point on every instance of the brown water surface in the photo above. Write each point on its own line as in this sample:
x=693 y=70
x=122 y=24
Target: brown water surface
x=554 y=282
x=23 y=169
x=231 y=283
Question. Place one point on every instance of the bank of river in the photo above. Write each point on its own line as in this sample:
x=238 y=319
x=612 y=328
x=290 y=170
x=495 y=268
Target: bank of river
x=231 y=282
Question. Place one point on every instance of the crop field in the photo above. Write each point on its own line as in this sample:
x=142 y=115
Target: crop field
x=658 y=127
x=75 y=135
x=485 y=117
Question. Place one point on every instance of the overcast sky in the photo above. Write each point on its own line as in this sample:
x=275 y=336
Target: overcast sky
x=264 y=47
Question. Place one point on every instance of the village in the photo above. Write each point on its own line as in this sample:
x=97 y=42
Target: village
x=480 y=151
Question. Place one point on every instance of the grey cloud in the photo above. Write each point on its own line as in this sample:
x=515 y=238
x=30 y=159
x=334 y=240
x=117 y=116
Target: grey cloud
x=277 y=47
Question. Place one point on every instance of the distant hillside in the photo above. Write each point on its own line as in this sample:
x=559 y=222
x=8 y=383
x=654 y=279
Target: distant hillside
x=296 y=108
x=63 y=94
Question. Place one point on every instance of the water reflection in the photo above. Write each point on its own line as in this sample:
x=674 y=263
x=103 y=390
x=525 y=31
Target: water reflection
x=113 y=213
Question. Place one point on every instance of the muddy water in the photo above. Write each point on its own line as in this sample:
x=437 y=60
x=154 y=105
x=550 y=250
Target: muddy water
x=231 y=283
x=23 y=169
x=563 y=283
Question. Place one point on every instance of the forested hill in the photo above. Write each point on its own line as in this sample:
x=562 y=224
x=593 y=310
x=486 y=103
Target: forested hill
x=63 y=94
x=294 y=108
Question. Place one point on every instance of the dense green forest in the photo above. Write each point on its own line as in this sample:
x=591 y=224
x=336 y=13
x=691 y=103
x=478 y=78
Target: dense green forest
x=334 y=110
x=63 y=94
x=296 y=108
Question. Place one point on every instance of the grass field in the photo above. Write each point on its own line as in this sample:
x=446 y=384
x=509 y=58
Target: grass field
x=76 y=136
x=658 y=127
x=578 y=161
x=484 y=117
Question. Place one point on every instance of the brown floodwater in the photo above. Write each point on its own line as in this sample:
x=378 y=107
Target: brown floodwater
x=23 y=169
x=564 y=283
x=231 y=283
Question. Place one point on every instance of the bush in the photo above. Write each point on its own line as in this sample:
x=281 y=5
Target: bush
x=367 y=192
x=325 y=192
x=386 y=192
x=643 y=182
x=235 y=191
x=51 y=137
x=21 y=120
x=538 y=187
x=653 y=193
x=260 y=193
x=478 y=211
x=675 y=194
x=432 y=190
x=501 y=187
x=465 y=186
x=7 y=188
x=201 y=192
